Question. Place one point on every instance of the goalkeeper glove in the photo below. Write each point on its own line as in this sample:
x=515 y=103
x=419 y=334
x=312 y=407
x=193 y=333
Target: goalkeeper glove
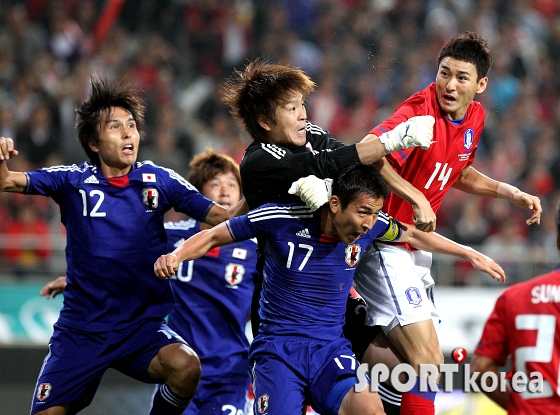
x=414 y=132
x=313 y=191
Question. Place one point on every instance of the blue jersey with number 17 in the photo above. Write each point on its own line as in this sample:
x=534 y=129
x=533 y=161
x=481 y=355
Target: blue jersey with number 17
x=307 y=275
x=115 y=234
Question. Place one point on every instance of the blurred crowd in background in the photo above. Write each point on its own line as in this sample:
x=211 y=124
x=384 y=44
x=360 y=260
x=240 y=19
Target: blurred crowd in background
x=366 y=57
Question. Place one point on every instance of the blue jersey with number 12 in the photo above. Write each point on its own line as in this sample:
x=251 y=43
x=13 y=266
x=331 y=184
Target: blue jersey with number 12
x=307 y=275
x=115 y=234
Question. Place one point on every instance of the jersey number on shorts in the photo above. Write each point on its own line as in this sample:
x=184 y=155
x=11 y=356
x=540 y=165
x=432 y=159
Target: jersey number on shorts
x=345 y=358
x=95 y=211
x=443 y=176
x=291 y=255
x=545 y=324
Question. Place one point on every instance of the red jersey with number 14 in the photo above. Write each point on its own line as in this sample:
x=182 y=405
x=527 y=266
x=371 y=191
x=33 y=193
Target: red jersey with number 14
x=432 y=171
x=525 y=324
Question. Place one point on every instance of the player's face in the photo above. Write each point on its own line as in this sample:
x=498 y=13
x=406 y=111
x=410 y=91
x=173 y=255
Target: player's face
x=357 y=218
x=223 y=189
x=118 y=141
x=289 y=129
x=456 y=86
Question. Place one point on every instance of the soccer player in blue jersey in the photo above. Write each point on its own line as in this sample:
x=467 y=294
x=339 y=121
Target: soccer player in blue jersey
x=300 y=354
x=113 y=208
x=212 y=295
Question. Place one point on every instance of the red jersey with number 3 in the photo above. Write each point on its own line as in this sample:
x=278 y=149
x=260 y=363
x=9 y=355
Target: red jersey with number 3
x=525 y=324
x=432 y=171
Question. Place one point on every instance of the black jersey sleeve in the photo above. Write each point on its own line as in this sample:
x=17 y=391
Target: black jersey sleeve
x=268 y=171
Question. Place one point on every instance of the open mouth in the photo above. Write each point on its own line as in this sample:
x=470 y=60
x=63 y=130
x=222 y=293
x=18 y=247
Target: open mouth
x=128 y=149
x=449 y=98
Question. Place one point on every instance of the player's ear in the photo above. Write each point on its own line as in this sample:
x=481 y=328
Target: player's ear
x=263 y=122
x=482 y=84
x=93 y=147
x=334 y=203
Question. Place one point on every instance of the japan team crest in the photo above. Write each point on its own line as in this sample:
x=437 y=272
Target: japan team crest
x=150 y=198
x=262 y=404
x=43 y=391
x=468 y=138
x=234 y=274
x=353 y=254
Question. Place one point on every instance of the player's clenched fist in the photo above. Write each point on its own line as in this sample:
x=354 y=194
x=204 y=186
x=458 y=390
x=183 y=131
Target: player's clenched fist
x=166 y=265
x=414 y=132
x=7 y=148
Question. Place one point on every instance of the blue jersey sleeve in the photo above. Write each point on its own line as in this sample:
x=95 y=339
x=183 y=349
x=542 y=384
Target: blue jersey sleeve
x=184 y=197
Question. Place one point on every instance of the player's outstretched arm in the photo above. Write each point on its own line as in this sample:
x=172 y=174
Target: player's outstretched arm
x=472 y=181
x=483 y=364
x=424 y=217
x=53 y=288
x=434 y=242
x=9 y=181
x=193 y=248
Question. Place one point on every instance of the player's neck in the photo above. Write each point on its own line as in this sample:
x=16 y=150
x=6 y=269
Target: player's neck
x=327 y=224
x=109 y=171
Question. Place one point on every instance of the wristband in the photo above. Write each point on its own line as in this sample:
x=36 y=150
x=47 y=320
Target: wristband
x=506 y=191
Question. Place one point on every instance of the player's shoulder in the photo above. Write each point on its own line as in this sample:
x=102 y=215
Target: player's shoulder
x=550 y=281
x=257 y=151
x=313 y=130
x=280 y=211
x=72 y=168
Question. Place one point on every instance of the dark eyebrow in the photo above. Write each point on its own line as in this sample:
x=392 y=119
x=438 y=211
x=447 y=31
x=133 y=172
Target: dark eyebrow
x=131 y=118
x=460 y=72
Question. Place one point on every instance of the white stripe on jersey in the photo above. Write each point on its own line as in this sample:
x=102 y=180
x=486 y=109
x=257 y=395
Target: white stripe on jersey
x=172 y=173
x=181 y=225
x=313 y=128
x=271 y=212
x=72 y=167
x=389 y=396
x=274 y=150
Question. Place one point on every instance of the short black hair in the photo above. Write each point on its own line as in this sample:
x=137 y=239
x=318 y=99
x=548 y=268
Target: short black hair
x=104 y=95
x=471 y=48
x=359 y=178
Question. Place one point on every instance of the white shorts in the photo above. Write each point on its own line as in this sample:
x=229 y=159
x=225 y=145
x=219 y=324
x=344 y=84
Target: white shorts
x=396 y=285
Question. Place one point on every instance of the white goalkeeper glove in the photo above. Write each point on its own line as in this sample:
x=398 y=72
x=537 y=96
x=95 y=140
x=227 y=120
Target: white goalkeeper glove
x=414 y=132
x=313 y=191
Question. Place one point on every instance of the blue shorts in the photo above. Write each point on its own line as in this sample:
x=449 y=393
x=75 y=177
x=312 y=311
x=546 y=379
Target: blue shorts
x=77 y=360
x=288 y=371
x=213 y=398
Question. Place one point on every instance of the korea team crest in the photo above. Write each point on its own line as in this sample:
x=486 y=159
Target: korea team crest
x=468 y=138
x=234 y=274
x=150 y=197
x=262 y=404
x=353 y=254
x=43 y=391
